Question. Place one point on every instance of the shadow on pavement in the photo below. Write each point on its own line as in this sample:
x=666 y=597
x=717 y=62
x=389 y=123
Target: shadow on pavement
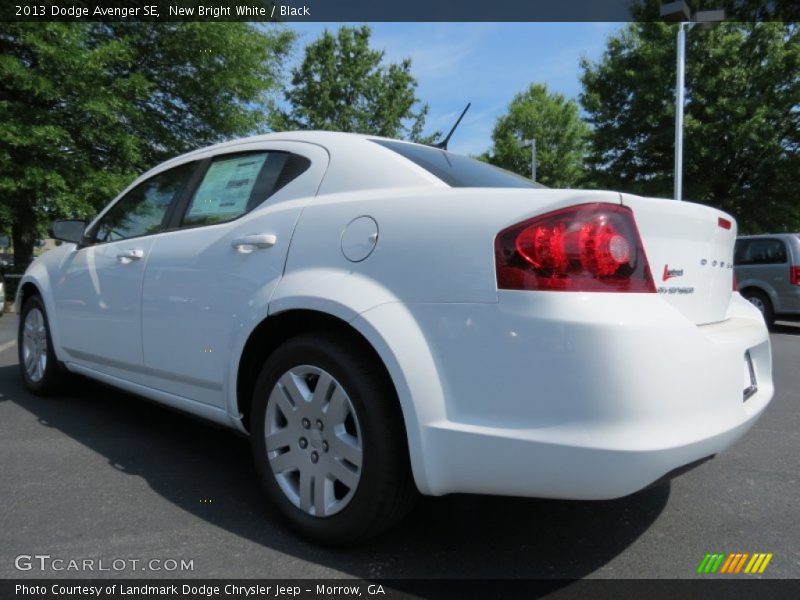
x=451 y=537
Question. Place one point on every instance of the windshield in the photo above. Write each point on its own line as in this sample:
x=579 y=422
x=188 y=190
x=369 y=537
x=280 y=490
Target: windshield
x=457 y=170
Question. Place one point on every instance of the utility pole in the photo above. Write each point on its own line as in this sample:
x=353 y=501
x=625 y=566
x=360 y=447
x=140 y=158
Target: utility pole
x=680 y=12
x=532 y=145
x=679 y=102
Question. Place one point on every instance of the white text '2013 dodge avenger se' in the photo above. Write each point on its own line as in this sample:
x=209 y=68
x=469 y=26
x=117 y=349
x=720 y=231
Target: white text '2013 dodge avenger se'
x=385 y=318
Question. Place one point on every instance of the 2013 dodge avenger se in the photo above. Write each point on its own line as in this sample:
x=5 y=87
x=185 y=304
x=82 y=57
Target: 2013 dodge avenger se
x=385 y=318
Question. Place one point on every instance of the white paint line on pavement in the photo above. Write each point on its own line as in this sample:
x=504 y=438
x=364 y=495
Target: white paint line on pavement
x=7 y=346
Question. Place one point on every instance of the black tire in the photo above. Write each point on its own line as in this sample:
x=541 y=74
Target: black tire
x=761 y=301
x=385 y=490
x=54 y=376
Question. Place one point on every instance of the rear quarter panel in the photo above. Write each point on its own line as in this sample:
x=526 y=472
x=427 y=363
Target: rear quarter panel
x=433 y=245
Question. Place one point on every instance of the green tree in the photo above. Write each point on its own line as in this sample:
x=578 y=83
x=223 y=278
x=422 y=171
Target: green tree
x=742 y=117
x=344 y=85
x=561 y=137
x=85 y=107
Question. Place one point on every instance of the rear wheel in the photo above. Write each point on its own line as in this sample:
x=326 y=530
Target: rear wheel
x=762 y=302
x=37 y=360
x=328 y=440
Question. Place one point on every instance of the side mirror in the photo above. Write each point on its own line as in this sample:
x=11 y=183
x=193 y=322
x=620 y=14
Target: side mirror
x=68 y=230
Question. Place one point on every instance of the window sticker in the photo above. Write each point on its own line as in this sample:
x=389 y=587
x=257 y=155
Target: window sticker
x=226 y=187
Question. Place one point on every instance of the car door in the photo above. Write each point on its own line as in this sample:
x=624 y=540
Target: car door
x=209 y=280
x=99 y=287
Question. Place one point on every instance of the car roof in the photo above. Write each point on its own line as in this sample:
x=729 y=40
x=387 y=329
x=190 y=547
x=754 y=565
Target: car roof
x=355 y=162
x=327 y=139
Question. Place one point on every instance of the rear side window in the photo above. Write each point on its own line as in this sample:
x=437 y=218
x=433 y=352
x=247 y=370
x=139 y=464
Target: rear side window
x=767 y=251
x=456 y=170
x=235 y=185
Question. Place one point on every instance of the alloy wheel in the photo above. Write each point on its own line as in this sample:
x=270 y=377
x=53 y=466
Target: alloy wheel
x=313 y=440
x=34 y=345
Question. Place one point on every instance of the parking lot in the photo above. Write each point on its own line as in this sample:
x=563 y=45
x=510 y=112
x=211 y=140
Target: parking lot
x=99 y=474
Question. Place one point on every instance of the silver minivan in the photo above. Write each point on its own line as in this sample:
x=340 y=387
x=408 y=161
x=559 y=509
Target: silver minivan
x=767 y=269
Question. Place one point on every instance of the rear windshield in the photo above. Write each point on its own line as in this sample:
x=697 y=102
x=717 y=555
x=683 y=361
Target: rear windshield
x=456 y=170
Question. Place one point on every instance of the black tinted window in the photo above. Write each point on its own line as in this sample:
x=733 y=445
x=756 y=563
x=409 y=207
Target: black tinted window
x=142 y=211
x=234 y=185
x=760 y=252
x=456 y=170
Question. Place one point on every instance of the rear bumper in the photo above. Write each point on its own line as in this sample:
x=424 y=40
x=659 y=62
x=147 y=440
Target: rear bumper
x=584 y=396
x=497 y=462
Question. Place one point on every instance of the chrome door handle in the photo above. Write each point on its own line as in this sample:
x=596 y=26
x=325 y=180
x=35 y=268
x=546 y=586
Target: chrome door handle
x=129 y=256
x=249 y=243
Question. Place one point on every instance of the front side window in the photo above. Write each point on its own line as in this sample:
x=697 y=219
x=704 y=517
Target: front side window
x=234 y=185
x=760 y=252
x=143 y=210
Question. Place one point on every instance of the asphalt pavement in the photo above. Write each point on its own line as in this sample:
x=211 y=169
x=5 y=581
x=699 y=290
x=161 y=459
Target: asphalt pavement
x=101 y=475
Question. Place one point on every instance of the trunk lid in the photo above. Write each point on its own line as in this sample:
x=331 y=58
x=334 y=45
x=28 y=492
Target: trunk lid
x=690 y=251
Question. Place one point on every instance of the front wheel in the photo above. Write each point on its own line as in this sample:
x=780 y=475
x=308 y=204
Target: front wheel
x=37 y=360
x=328 y=440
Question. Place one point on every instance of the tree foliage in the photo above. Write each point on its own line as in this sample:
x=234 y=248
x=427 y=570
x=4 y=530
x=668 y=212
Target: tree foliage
x=344 y=85
x=742 y=117
x=561 y=137
x=86 y=106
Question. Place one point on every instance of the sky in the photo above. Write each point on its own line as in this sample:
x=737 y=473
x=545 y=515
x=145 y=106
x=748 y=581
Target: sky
x=483 y=63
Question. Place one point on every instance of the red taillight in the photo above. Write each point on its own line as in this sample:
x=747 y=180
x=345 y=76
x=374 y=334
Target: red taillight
x=794 y=275
x=586 y=248
x=724 y=223
x=735 y=283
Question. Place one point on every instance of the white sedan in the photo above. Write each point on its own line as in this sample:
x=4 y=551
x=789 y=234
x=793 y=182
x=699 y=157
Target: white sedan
x=385 y=318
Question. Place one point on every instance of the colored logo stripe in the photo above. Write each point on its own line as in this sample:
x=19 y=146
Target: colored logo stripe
x=735 y=562
x=710 y=563
x=758 y=563
x=727 y=564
